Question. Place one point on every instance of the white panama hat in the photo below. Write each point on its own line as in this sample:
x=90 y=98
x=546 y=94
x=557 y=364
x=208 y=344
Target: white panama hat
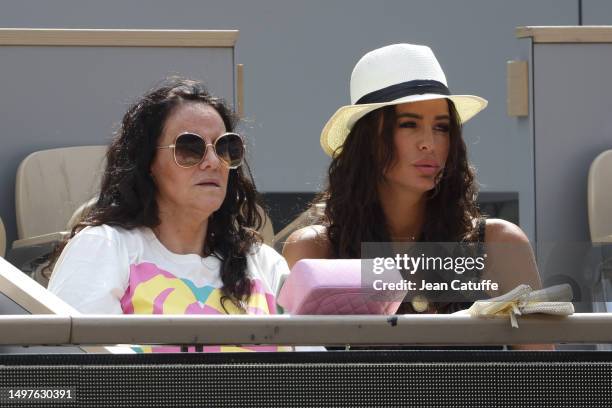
x=392 y=75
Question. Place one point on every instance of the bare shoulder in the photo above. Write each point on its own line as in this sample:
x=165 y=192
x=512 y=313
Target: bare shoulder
x=307 y=243
x=498 y=230
x=512 y=262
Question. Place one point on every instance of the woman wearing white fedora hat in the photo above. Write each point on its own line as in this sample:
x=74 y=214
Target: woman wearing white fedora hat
x=399 y=172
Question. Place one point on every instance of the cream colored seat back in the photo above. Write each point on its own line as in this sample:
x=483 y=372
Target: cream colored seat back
x=52 y=184
x=600 y=198
x=2 y=239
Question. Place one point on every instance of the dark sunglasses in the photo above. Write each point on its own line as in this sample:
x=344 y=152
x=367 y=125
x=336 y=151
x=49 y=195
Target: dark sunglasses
x=190 y=149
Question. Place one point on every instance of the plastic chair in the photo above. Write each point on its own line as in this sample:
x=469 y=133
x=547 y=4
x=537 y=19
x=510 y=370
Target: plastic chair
x=49 y=187
x=600 y=198
x=52 y=184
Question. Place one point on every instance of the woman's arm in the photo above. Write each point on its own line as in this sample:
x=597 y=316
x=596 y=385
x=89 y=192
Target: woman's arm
x=510 y=262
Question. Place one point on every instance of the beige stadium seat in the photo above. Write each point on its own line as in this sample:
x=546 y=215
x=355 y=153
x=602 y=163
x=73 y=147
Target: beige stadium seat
x=51 y=185
x=2 y=239
x=600 y=198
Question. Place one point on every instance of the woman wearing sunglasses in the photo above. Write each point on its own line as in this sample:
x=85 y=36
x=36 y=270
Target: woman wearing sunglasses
x=174 y=228
x=399 y=173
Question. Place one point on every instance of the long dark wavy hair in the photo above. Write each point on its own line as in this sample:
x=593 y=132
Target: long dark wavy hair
x=353 y=213
x=127 y=193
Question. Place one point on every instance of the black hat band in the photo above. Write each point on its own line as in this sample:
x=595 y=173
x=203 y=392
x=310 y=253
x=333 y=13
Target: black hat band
x=394 y=92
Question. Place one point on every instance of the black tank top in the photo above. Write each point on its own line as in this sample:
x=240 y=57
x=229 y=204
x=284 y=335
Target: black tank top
x=452 y=307
x=406 y=308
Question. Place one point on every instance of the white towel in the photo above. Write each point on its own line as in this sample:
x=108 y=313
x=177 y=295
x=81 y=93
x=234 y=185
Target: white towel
x=522 y=300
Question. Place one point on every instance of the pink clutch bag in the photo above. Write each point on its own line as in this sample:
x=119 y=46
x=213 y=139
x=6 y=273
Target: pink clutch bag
x=334 y=287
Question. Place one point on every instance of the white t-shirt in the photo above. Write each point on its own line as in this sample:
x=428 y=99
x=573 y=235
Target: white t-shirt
x=111 y=270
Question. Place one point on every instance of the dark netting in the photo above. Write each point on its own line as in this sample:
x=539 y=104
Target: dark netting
x=332 y=379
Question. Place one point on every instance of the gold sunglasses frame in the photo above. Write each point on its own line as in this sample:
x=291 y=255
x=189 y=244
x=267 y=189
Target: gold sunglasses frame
x=206 y=145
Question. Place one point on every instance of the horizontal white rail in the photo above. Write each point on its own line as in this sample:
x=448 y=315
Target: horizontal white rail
x=303 y=330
